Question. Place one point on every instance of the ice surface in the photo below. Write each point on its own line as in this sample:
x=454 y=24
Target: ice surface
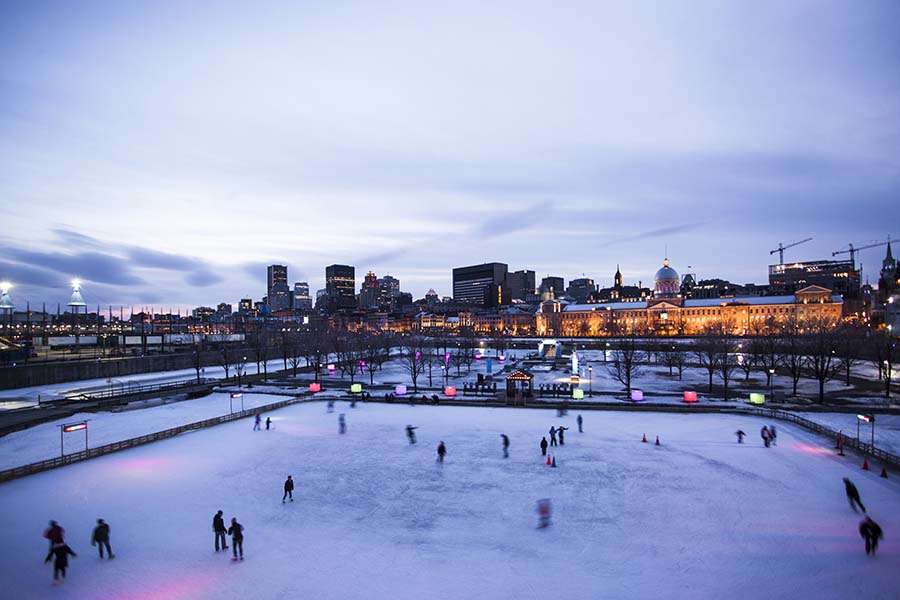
x=699 y=516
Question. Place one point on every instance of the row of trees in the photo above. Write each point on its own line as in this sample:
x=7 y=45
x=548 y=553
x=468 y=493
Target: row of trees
x=815 y=348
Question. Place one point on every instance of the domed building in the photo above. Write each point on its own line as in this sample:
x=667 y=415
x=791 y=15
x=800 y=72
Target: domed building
x=667 y=282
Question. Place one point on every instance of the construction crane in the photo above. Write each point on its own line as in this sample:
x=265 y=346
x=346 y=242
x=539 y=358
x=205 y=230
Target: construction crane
x=852 y=250
x=781 y=248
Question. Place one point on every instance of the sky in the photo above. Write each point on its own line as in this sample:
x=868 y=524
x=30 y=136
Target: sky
x=165 y=153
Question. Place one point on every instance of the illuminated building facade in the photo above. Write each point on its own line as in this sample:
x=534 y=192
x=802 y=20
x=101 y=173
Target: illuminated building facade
x=840 y=276
x=340 y=287
x=483 y=285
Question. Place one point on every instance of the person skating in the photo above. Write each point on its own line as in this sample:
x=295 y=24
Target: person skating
x=219 y=530
x=505 y=439
x=288 y=489
x=853 y=495
x=773 y=435
x=579 y=420
x=552 y=435
x=256 y=422
x=411 y=434
x=268 y=423
x=562 y=435
x=544 y=446
x=100 y=538
x=764 y=434
x=331 y=406
x=441 y=452
x=544 y=510
x=60 y=554
x=54 y=533
x=871 y=532
x=342 y=424
x=740 y=436
x=236 y=531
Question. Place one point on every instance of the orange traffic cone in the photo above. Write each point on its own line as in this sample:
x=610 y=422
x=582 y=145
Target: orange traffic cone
x=884 y=472
x=865 y=466
x=553 y=464
x=644 y=439
x=548 y=460
x=657 y=441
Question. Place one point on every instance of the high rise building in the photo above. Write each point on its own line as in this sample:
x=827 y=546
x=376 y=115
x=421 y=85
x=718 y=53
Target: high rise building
x=300 y=297
x=245 y=306
x=340 y=287
x=581 y=289
x=840 y=276
x=368 y=292
x=552 y=287
x=484 y=285
x=520 y=284
x=278 y=294
x=388 y=293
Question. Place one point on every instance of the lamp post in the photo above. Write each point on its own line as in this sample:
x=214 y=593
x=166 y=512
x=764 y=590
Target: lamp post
x=591 y=380
x=771 y=385
x=866 y=419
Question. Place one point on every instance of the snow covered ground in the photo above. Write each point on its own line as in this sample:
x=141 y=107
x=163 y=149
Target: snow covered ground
x=699 y=516
x=887 y=428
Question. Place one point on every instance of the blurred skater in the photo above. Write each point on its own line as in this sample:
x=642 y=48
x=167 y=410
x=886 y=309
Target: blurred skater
x=268 y=423
x=441 y=452
x=871 y=532
x=764 y=434
x=219 y=530
x=544 y=511
x=579 y=420
x=100 y=538
x=740 y=436
x=60 y=554
x=562 y=434
x=288 y=489
x=54 y=533
x=853 y=496
x=552 y=435
x=773 y=435
x=544 y=446
x=257 y=422
x=505 y=439
x=236 y=531
x=342 y=424
x=331 y=406
x=411 y=434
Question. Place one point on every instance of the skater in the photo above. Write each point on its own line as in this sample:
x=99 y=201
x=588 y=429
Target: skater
x=342 y=424
x=411 y=434
x=236 y=531
x=331 y=406
x=740 y=436
x=505 y=439
x=256 y=422
x=268 y=423
x=100 y=538
x=562 y=436
x=579 y=420
x=60 y=552
x=54 y=533
x=288 y=489
x=773 y=436
x=543 y=510
x=764 y=434
x=441 y=452
x=853 y=496
x=544 y=446
x=552 y=435
x=871 y=532
x=219 y=530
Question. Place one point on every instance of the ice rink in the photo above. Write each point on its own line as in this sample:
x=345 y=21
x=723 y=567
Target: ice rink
x=699 y=516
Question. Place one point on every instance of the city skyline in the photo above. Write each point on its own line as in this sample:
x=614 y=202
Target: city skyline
x=542 y=142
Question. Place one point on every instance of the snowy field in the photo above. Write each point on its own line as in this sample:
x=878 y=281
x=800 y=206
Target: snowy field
x=887 y=428
x=699 y=516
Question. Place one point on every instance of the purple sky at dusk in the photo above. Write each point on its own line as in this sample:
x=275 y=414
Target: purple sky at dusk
x=166 y=154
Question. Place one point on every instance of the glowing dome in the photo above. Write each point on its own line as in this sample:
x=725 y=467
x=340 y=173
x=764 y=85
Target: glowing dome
x=668 y=283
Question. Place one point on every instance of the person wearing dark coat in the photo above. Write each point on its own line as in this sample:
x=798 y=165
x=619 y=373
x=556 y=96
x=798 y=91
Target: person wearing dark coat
x=411 y=434
x=236 y=531
x=60 y=553
x=552 y=435
x=268 y=423
x=764 y=434
x=100 y=538
x=562 y=434
x=342 y=424
x=54 y=533
x=219 y=530
x=871 y=532
x=288 y=489
x=740 y=436
x=505 y=439
x=544 y=446
x=579 y=420
x=256 y=422
x=441 y=452
x=853 y=496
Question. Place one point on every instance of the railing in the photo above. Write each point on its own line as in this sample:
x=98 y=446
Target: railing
x=67 y=459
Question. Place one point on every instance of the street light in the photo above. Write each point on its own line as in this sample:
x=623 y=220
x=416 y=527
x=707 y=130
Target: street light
x=591 y=380
x=771 y=385
x=866 y=419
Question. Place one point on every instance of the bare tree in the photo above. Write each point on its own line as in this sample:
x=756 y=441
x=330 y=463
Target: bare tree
x=317 y=345
x=850 y=341
x=706 y=351
x=261 y=344
x=820 y=349
x=791 y=350
x=625 y=365
x=765 y=349
x=411 y=357
x=226 y=361
x=240 y=367
x=375 y=352
x=884 y=353
x=347 y=350
x=673 y=358
x=726 y=361
x=197 y=357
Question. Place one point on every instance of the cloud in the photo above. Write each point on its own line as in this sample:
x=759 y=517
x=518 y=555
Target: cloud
x=203 y=278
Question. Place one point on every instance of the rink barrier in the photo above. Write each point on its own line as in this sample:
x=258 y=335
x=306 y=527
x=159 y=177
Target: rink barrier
x=74 y=457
